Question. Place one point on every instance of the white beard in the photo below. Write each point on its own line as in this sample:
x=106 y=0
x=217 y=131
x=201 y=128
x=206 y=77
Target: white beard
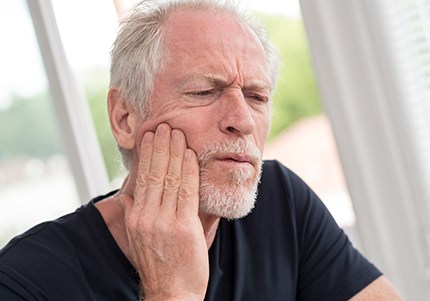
x=234 y=197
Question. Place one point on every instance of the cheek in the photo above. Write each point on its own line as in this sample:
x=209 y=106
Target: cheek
x=166 y=114
x=193 y=127
x=193 y=124
x=199 y=126
x=142 y=129
x=262 y=131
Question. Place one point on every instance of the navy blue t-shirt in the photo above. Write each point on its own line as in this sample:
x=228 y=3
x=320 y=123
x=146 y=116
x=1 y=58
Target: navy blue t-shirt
x=288 y=248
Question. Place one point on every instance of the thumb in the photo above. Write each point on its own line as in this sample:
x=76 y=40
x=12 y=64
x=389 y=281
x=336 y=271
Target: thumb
x=126 y=203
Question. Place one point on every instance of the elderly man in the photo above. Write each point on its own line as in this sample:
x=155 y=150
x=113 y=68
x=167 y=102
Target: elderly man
x=189 y=106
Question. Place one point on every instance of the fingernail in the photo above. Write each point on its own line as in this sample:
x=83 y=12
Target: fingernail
x=148 y=137
x=175 y=136
x=188 y=154
x=162 y=130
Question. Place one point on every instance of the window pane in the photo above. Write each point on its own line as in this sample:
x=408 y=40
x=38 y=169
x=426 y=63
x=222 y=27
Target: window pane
x=87 y=45
x=35 y=181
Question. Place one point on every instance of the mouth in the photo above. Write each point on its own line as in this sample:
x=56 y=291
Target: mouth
x=236 y=159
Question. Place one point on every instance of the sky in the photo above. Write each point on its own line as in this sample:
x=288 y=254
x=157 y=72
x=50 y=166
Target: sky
x=87 y=29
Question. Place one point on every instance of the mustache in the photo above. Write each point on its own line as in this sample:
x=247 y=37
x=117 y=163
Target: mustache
x=227 y=148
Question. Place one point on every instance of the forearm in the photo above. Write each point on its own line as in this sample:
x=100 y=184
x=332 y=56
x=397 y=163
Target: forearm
x=380 y=289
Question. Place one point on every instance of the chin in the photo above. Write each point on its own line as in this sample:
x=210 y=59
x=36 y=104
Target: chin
x=228 y=184
x=231 y=200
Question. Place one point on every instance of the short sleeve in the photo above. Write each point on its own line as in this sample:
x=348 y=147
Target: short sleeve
x=330 y=268
x=11 y=290
x=8 y=294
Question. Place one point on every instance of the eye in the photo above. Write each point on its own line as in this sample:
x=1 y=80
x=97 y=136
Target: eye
x=259 y=97
x=202 y=93
x=209 y=93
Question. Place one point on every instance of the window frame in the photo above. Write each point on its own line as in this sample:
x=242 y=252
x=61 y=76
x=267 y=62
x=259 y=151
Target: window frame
x=71 y=108
x=356 y=87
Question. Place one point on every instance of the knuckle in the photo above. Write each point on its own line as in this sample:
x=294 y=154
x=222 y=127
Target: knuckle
x=141 y=180
x=155 y=178
x=185 y=192
x=172 y=181
x=161 y=148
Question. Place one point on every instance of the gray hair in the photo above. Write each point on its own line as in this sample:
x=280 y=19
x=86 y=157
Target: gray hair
x=137 y=52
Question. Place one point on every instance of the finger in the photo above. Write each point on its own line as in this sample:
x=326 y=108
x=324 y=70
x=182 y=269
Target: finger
x=188 y=195
x=172 y=181
x=159 y=165
x=144 y=165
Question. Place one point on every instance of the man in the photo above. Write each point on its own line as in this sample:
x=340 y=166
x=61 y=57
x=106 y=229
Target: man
x=189 y=106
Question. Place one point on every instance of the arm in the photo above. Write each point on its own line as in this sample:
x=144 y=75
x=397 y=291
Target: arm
x=166 y=241
x=330 y=267
x=380 y=289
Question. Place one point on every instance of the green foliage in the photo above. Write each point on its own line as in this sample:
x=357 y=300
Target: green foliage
x=296 y=95
x=29 y=128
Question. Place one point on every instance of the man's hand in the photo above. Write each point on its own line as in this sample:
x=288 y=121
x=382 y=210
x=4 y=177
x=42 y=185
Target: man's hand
x=166 y=240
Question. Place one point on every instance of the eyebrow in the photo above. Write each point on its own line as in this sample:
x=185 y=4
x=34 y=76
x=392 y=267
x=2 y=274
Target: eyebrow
x=258 y=85
x=211 y=78
x=255 y=84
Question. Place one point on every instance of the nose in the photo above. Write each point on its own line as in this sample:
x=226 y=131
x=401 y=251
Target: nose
x=237 y=118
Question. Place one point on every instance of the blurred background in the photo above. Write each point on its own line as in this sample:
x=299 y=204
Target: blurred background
x=351 y=116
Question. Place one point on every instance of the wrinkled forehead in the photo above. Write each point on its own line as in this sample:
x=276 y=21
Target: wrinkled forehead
x=212 y=40
x=189 y=29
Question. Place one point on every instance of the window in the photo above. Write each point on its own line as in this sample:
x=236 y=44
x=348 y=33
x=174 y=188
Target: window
x=36 y=183
x=87 y=46
x=371 y=63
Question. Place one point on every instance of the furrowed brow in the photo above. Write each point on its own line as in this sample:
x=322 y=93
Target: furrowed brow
x=259 y=86
x=209 y=78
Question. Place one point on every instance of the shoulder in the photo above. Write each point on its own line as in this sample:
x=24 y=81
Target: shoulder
x=29 y=261
x=42 y=240
x=279 y=177
x=286 y=205
x=329 y=267
x=281 y=185
x=60 y=233
x=273 y=169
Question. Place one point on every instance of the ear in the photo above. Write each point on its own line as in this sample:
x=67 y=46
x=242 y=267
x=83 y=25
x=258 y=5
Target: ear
x=123 y=120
